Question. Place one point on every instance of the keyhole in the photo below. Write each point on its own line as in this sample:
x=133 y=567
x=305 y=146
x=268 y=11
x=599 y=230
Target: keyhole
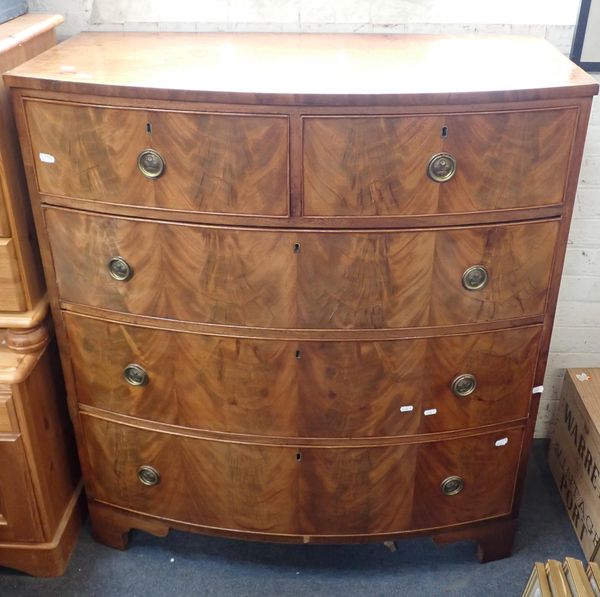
x=298 y=354
x=444 y=132
x=298 y=456
x=296 y=247
x=149 y=127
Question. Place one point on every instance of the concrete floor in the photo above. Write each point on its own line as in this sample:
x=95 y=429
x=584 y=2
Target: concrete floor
x=185 y=564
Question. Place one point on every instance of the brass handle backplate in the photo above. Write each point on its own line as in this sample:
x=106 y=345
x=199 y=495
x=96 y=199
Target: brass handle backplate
x=441 y=167
x=150 y=163
x=475 y=277
x=452 y=485
x=135 y=375
x=464 y=385
x=119 y=269
x=148 y=475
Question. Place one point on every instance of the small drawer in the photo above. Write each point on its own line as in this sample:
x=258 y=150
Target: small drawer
x=438 y=164
x=304 y=389
x=297 y=279
x=185 y=161
x=299 y=491
x=11 y=292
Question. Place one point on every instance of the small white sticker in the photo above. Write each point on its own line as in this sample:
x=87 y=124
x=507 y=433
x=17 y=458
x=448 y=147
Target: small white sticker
x=583 y=377
x=406 y=409
x=430 y=411
x=501 y=442
x=538 y=390
x=47 y=158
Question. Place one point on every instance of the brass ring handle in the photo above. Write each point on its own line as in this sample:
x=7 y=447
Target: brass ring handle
x=119 y=269
x=463 y=385
x=452 y=485
x=135 y=375
x=441 y=167
x=475 y=277
x=148 y=475
x=150 y=163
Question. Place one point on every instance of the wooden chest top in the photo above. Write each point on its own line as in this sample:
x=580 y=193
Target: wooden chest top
x=308 y=69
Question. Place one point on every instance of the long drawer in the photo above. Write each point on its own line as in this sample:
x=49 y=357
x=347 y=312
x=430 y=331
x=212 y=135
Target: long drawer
x=289 y=490
x=307 y=388
x=311 y=280
x=378 y=165
x=212 y=163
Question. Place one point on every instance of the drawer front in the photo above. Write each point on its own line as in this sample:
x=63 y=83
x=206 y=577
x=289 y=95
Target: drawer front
x=8 y=418
x=11 y=294
x=282 y=279
x=377 y=165
x=302 y=389
x=302 y=491
x=19 y=518
x=213 y=163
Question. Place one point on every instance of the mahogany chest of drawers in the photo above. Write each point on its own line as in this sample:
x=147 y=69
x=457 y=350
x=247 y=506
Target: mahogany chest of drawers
x=304 y=285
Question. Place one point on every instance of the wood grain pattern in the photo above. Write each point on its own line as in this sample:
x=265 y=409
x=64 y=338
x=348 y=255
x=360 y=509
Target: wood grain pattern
x=26 y=37
x=19 y=516
x=303 y=389
x=11 y=297
x=365 y=307
x=7 y=417
x=305 y=69
x=377 y=165
x=215 y=163
x=255 y=278
x=271 y=489
x=48 y=439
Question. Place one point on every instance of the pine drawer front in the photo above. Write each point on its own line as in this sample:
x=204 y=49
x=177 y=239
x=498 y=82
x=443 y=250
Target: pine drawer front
x=11 y=297
x=213 y=163
x=378 y=165
x=295 y=490
x=19 y=518
x=304 y=388
x=8 y=418
x=316 y=280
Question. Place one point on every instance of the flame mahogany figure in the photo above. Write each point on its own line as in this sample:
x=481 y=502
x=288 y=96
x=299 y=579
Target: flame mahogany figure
x=304 y=285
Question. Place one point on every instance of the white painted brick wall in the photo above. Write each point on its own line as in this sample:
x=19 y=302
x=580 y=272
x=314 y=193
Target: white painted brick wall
x=576 y=338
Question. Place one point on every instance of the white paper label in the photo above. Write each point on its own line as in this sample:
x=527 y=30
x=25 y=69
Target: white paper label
x=406 y=409
x=430 y=411
x=538 y=390
x=501 y=442
x=583 y=377
x=47 y=158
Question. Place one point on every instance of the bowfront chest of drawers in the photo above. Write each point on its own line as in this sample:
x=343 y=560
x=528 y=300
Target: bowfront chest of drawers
x=304 y=285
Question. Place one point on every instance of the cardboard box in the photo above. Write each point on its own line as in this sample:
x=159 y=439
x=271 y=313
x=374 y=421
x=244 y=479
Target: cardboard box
x=574 y=455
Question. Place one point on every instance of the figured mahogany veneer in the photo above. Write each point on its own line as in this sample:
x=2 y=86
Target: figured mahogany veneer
x=293 y=307
x=388 y=279
x=214 y=162
x=303 y=388
x=296 y=490
x=357 y=166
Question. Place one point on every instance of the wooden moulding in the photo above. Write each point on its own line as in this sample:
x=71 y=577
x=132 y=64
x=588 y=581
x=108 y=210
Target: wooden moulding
x=26 y=319
x=50 y=558
x=20 y=350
